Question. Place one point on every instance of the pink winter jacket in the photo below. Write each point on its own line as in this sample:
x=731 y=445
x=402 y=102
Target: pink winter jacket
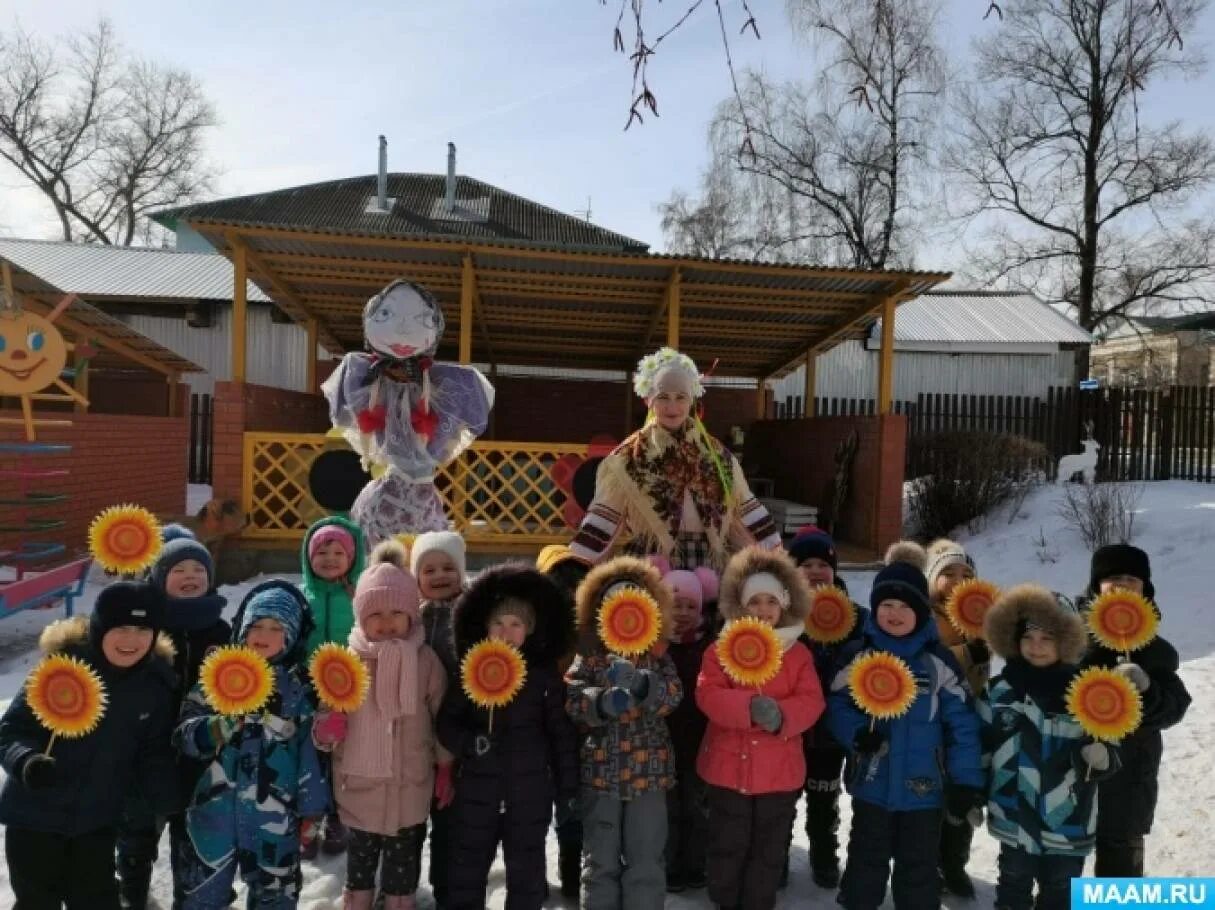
x=403 y=800
x=738 y=755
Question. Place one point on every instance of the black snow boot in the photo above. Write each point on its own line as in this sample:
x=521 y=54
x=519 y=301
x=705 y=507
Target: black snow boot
x=955 y=853
x=822 y=823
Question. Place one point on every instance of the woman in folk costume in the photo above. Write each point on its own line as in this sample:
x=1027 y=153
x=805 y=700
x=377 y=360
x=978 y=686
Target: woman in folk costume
x=678 y=490
x=403 y=412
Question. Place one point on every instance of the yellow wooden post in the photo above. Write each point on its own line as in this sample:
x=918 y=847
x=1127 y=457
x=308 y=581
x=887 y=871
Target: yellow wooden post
x=810 y=380
x=886 y=363
x=240 y=311
x=467 y=289
x=673 y=309
x=310 y=379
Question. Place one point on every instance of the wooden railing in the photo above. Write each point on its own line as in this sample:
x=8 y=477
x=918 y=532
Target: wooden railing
x=496 y=493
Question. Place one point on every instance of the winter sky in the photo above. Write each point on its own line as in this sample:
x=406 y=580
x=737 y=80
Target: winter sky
x=529 y=90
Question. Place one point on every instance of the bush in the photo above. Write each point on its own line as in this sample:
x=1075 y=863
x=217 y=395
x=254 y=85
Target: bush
x=1101 y=513
x=965 y=474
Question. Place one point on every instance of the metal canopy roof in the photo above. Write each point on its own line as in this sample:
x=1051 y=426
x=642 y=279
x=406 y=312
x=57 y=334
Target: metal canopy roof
x=982 y=317
x=547 y=306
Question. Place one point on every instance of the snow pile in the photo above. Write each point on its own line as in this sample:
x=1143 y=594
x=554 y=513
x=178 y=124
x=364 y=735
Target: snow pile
x=1175 y=524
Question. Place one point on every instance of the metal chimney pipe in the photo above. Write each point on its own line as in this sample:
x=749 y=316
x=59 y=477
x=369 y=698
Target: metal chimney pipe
x=451 y=177
x=381 y=184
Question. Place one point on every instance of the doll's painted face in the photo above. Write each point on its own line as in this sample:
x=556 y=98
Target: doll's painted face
x=187 y=578
x=403 y=323
x=32 y=353
x=765 y=607
x=894 y=617
x=125 y=646
x=267 y=637
x=330 y=561
x=817 y=572
x=950 y=578
x=509 y=628
x=1039 y=648
x=438 y=576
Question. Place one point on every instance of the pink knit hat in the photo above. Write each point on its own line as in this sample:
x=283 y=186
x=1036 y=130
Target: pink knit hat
x=331 y=534
x=387 y=583
x=699 y=584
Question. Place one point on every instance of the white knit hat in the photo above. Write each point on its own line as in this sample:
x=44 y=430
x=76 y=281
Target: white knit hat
x=448 y=542
x=765 y=583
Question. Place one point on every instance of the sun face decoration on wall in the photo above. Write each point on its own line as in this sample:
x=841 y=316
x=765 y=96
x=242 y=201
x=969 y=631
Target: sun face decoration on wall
x=33 y=354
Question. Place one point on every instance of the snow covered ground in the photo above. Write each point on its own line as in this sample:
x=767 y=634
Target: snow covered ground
x=1176 y=525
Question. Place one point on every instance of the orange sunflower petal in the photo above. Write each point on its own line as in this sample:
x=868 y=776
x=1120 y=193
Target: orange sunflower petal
x=1122 y=620
x=881 y=685
x=749 y=652
x=832 y=615
x=339 y=677
x=236 y=680
x=125 y=539
x=492 y=673
x=629 y=622
x=968 y=605
x=1105 y=704
x=66 y=696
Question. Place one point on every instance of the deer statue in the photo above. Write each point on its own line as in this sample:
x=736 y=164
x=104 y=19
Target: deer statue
x=1083 y=463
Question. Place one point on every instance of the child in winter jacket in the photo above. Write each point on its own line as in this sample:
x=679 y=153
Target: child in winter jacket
x=513 y=763
x=61 y=804
x=902 y=772
x=1127 y=800
x=566 y=571
x=1043 y=767
x=184 y=573
x=386 y=763
x=627 y=760
x=948 y=566
x=436 y=561
x=751 y=757
x=264 y=775
x=813 y=551
x=687 y=805
x=332 y=561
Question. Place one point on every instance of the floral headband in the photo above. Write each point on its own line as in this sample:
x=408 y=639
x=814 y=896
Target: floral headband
x=645 y=380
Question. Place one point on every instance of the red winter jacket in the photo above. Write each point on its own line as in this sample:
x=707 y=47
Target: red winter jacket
x=738 y=755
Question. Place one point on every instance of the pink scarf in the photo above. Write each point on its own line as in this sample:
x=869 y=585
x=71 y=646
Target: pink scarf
x=368 y=748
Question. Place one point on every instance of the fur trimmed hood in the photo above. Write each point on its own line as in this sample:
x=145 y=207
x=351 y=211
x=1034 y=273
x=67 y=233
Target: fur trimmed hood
x=752 y=561
x=629 y=569
x=553 y=635
x=907 y=551
x=72 y=635
x=1037 y=605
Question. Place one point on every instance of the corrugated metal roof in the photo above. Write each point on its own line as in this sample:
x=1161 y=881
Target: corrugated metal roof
x=130 y=272
x=483 y=212
x=982 y=317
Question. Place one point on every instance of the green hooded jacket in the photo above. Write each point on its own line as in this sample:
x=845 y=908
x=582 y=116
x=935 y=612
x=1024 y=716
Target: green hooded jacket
x=332 y=601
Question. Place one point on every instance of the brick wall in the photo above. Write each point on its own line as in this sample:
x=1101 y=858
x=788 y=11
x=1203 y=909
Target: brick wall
x=115 y=458
x=255 y=408
x=799 y=456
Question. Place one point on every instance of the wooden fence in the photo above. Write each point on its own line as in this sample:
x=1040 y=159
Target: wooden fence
x=1144 y=434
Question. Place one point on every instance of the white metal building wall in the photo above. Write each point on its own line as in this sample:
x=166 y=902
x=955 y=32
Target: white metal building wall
x=276 y=353
x=850 y=371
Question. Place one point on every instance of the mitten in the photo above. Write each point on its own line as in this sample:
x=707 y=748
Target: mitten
x=978 y=651
x=1135 y=674
x=621 y=673
x=223 y=727
x=1097 y=755
x=615 y=701
x=959 y=801
x=765 y=712
x=445 y=788
x=867 y=742
x=329 y=728
x=39 y=772
x=481 y=745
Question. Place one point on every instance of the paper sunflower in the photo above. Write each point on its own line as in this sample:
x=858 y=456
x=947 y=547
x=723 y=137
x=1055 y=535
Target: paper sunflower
x=832 y=615
x=492 y=673
x=881 y=685
x=1122 y=620
x=236 y=680
x=125 y=539
x=66 y=696
x=629 y=622
x=749 y=652
x=1105 y=704
x=339 y=677
x=968 y=605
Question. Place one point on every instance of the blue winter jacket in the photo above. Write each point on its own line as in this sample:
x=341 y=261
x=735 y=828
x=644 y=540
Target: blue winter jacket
x=266 y=778
x=934 y=744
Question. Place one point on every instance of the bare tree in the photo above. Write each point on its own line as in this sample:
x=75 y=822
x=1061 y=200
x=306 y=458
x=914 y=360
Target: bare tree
x=1086 y=203
x=840 y=154
x=103 y=136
